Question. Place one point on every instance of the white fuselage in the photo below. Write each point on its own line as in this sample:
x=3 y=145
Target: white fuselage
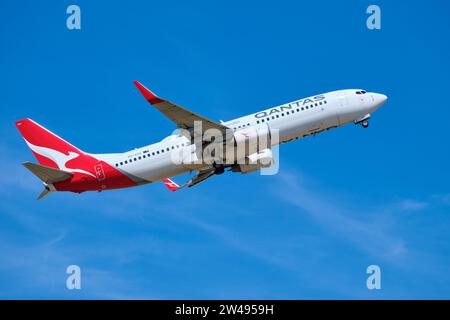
x=293 y=120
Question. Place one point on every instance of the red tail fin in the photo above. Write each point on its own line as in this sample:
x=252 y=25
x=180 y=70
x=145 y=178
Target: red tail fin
x=49 y=149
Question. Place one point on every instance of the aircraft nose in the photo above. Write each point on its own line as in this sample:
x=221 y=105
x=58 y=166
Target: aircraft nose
x=378 y=99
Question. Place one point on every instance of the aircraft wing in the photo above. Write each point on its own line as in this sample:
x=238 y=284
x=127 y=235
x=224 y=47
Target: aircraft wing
x=201 y=175
x=172 y=186
x=182 y=117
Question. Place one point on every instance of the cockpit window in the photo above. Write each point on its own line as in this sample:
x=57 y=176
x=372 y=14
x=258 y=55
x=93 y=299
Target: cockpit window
x=361 y=92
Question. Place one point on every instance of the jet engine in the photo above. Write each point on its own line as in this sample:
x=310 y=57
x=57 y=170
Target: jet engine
x=255 y=161
x=250 y=142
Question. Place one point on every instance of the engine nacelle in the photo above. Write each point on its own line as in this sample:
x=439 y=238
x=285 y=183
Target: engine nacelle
x=255 y=161
x=251 y=141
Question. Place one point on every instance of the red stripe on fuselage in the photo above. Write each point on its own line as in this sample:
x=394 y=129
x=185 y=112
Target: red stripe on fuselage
x=111 y=179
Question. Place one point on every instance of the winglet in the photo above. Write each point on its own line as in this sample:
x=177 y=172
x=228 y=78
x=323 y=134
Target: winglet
x=172 y=186
x=148 y=95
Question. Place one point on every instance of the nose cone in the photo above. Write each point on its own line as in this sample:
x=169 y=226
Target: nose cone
x=378 y=100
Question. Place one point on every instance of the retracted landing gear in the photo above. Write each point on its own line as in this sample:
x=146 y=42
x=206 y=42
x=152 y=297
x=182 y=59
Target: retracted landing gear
x=218 y=168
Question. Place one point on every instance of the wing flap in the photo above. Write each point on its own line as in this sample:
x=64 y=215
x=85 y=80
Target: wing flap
x=201 y=176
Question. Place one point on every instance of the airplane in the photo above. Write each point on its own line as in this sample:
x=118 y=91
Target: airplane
x=64 y=167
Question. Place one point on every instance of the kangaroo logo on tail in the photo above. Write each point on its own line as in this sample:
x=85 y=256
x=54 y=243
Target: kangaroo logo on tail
x=58 y=157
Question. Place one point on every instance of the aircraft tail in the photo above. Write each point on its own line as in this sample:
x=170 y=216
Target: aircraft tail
x=48 y=176
x=49 y=149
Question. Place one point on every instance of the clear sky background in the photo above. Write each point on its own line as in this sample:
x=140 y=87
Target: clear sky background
x=344 y=200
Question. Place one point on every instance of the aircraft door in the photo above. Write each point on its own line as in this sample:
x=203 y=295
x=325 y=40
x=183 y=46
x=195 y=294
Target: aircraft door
x=99 y=172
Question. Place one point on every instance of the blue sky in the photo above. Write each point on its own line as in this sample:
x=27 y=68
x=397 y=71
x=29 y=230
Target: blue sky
x=343 y=200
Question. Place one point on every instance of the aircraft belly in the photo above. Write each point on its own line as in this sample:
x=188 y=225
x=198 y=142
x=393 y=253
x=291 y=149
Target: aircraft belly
x=158 y=169
x=300 y=126
x=313 y=122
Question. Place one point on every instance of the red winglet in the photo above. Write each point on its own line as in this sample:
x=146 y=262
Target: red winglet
x=172 y=186
x=148 y=95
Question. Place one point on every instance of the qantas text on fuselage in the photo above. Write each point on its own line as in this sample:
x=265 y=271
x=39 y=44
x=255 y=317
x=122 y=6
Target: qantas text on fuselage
x=241 y=145
x=289 y=106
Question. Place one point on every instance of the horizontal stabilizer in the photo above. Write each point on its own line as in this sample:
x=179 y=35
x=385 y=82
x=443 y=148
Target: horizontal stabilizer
x=48 y=174
x=43 y=193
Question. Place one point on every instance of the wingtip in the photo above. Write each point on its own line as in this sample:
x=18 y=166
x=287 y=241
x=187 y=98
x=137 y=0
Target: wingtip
x=172 y=186
x=148 y=95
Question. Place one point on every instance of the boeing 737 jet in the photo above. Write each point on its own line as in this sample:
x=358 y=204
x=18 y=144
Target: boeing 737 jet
x=64 y=167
